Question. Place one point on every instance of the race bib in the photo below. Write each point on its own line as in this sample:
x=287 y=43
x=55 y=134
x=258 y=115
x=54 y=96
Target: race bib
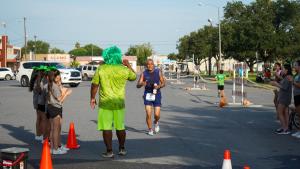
x=150 y=97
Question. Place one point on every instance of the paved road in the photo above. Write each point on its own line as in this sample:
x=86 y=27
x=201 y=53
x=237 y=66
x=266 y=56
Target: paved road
x=194 y=131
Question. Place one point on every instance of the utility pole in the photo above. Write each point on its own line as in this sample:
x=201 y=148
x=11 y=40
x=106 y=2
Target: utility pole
x=25 y=39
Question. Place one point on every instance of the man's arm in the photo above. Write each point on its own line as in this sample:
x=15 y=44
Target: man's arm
x=162 y=80
x=94 y=89
x=127 y=64
x=141 y=81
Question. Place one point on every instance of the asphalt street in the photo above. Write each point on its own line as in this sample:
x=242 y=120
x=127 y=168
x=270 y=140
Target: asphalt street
x=194 y=131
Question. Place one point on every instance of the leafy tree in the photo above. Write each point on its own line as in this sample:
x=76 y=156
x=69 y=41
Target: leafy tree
x=172 y=56
x=77 y=45
x=39 y=47
x=79 y=52
x=142 y=52
x=74 y=63
x=56 y=50
x=93 y=50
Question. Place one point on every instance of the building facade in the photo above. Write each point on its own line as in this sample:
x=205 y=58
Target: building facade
x=9 y=54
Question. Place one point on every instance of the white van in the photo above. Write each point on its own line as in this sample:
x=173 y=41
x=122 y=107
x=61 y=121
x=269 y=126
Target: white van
x=87 y=71
x=68 y=76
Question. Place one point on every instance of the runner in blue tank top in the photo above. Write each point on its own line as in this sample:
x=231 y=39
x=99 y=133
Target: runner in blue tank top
x=153 y=81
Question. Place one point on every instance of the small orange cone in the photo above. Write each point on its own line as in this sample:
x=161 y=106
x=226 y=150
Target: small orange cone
x=72 y=142
x=246 y=167
x=46 y=161
x=223 y=101
x=227 y=160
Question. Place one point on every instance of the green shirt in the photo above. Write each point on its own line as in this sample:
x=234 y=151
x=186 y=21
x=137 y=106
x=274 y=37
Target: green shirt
x=112 y=82
x=220 y=78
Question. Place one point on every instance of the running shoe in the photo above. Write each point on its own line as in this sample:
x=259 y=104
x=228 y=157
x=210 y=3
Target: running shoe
x=108 y=155
x=63 y=147
x=58 y=151
x=279 y=130
x=150 y=132
x=122 y=152
x=38 y=138
x=156 y=129
x=296 y=134
x=284 y=132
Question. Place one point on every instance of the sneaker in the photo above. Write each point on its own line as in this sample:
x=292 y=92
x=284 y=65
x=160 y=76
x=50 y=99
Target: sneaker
x=39 y=138
x=279 y=130
x=156 y=129
x=122 y=152
x=150 y=132
x=284 y=132
x=296 y=134
x=108 y=154
x=58 y=151
x=63 y=147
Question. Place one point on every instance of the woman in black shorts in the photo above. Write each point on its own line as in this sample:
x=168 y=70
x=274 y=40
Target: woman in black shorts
x=56 y=96
x=284 y=98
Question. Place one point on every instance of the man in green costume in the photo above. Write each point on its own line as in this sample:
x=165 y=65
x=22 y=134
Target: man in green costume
x=111 y=78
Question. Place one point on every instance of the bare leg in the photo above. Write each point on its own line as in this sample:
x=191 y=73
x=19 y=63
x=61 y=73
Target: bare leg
x=281 y=112
x=286 y=116
x=121 y=134
x=56 y=132
x=156 y=114
x=44 y=125
x=107 y=137
x=51 y=132
x=149 y=116
x=38 y=123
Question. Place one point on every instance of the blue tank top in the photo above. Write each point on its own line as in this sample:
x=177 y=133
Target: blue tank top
x=151 y=78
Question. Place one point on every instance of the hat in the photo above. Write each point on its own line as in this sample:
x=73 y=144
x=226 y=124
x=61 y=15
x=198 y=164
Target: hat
x=112 y=55
x=51 y=68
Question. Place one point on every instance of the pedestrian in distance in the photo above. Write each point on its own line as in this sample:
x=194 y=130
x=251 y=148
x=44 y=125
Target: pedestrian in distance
x=284 y=98
x=153 y=80
x=110 y=78
x=220 y=77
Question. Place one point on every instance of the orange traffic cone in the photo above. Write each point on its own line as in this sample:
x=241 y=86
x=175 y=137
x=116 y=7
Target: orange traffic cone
x=223 y=101
x=46 y=161
x=246 y=167
x=227 y=160
x=72 y=142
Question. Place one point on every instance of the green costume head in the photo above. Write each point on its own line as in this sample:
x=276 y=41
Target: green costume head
x=112 y=56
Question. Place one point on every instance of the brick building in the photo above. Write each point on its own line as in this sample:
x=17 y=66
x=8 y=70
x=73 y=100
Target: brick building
x=9 y=54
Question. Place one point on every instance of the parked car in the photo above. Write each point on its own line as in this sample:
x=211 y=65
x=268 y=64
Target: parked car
x=68 y=76
x=87 y=71
x=6 y=73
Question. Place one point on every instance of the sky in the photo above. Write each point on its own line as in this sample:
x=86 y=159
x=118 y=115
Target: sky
x=62 y=23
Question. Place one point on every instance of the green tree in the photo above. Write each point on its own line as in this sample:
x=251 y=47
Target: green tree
x=77 y=45
x=142 y=52
x=79 y=52
x=74 y=63
x=172 y=56
x=93 y=50
x=56 y=50
x=39 y=47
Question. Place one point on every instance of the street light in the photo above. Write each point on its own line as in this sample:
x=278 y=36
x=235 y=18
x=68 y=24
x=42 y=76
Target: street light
x=219 y=25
